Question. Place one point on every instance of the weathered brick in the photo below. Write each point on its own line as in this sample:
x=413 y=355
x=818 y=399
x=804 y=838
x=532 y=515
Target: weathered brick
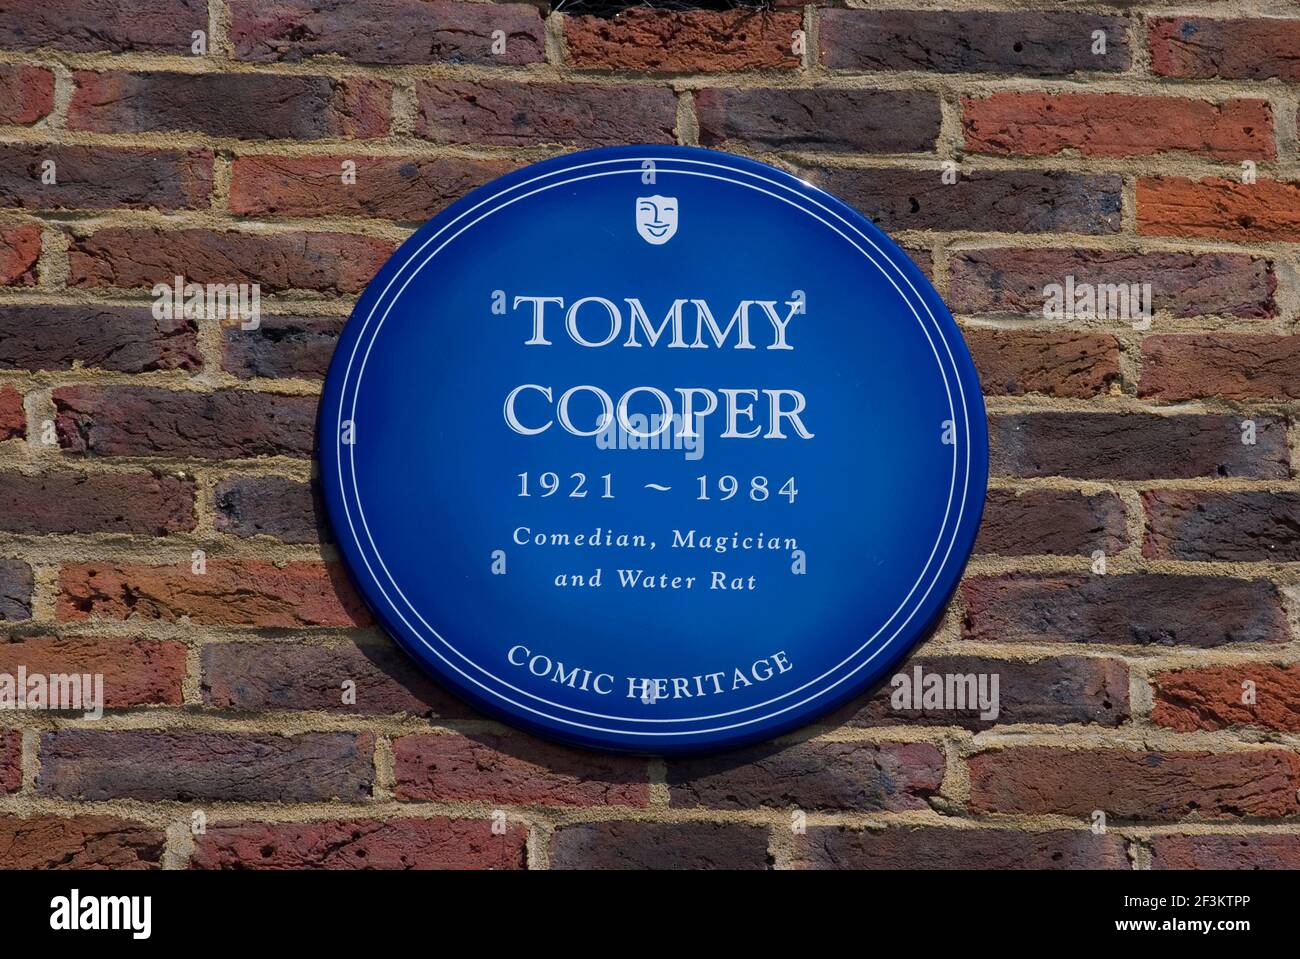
x=689 y=41
x=515 y=769
x=386 y=31
x=11 y=760
x=131 y=257
x=293 y=347
x=1135 y=446
x=823 y=118
x=1101 y=124
x=246 y=106
x=1055 y=363
x=103 y=177
x=1009 y=280
x=150 y=504
x=234 y=592
x=862 y=777
x=13 y=418
x=79 y=842
x=1028 y=43
x=26 y=93
x=1263 y=211
x=1235 y=366
x=438 y=843
x=1235 y=527
x=1211 y=697
x=1051 y=691
x=15 y=590
x=393 y=188
x=1005 y=201
x=275 y=506
x=124 y=339
x=119 y=26
x=1201 y=48
x=842 y=847
x=1258 y=850
x=1051 y=522
x=135 y=671
x=659 y=845
x=1139 y=610
x=145 y=421
x=1133 y=785
x=159 y=765
x=282 y=676
x=501 y=113
x=20 y=254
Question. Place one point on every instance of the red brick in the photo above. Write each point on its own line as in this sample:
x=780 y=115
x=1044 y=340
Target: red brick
x=15 y=590
x=275 y=506
x=667 y=41
x=1133 y=785
x=438 y=843
x=392 y=188
x=26 y=93
x=501 y=113
x=180 y=765
x=246 y=106
x=1028 y=43
x=1010 y=280
x=11 y=760
x=20 y=253
x=150 y=504
x=1138 y=610
x=232 y=592
x=659 y=845
x=136 y=671
x=1211 y=697
x=146 y=421
x=1264 y=211
x=515 y=769
x=123 y=339
x=1234 y=366
x=103 y=177
x=13 y=418
x=79 y=842
x=1200 y=48
x=386 y=31
x=294 y=347
x=135 y=257
x=1065 y=363
x=118 y=26
x=1051 y=522
x=1258 y=850
x=1136 y=446
x=841 y=847
x=861 y=777
x=823 y=118
x=1102 y=124
x=1234 y=527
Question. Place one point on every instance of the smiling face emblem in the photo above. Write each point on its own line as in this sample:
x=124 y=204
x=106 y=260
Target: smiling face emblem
x=656 y=218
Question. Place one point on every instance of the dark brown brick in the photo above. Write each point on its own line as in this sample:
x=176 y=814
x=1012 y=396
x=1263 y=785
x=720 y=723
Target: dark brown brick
x=1136 y=446
x=438 y=843
x=1133 y=785
x=823 y=118
x=1237 y=851
x=101 y=177
x=1055 y=363
x=1139 y=610
x=136 y=671
x=862 y=777
x=187 y=765
x=20 y=254
x=26 y=93
x=386 y=31
x=1051 y=522
x=659 y=845
x=145 y=421
x=1201 y=48
x=246 y=106
x=123 y=339
x=275 y=506
x=87 y=26
x=1211 y=697
x=1028 y=43
x=515 y=769
x=79 y=842
x=289 y=347
x=687 y=41
x=150 y=504
x=1005 y=201
x=1235 y=366
x=841 y=847
x=11 y=760
x=1235 y=527
x=501 y=113
x=15 y=590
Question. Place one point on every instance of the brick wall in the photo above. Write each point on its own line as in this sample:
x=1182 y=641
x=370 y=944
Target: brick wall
x=127 y=443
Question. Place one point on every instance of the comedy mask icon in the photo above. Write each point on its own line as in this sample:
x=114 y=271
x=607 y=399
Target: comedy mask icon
x=656 y=218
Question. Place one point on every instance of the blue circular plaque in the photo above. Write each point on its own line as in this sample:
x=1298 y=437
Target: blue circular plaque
x=653 y=449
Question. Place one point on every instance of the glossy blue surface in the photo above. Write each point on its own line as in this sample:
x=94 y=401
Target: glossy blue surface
x=425 y=501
